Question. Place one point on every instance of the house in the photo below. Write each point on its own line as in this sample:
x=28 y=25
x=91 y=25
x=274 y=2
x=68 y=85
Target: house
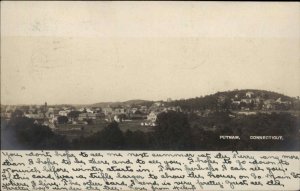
x=97 y=110
x=258 y=100
x=246 y=113
x=34 y=116
x=119 y=118
x=235 y=102
x=144 y=109
x=245 y=108
x=49 y=114
x=118 y=111
x=137 y=115
x=173 y=108
x=107 y=110
x=149 y=124
x=83 y=109
x=269 y=104
x=116 y=118
x=88 y=110
x=63 y=112
x=82 y=116
x=280 y=101
x=246 y=100
x=249 y=94
x=133 y=110
x=152 y=116
x=158 y=104
x=93 y=116
x=156 y=108
x=53 y=119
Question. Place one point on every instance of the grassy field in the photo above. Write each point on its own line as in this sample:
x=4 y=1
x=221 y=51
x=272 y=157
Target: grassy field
x=73 y=131
x=134 y=125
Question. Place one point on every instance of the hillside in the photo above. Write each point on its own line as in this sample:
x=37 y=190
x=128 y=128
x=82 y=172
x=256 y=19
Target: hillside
x=236 y=99
x=125 y=103
x=261 y=93
x=219 y=100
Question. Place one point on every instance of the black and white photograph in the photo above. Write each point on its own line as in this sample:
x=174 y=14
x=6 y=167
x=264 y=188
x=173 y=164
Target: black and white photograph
x=150 y=95
x=173 y=76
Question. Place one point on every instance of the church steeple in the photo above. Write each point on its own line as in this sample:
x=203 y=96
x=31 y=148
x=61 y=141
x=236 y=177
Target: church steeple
x=45 y=110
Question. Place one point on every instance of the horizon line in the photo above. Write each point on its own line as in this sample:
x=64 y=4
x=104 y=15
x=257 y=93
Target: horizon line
x=78 y=104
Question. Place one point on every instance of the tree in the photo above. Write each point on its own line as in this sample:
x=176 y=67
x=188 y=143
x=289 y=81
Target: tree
x=173 y=131
x=110 y=138
x=74 y=114
x=122 y=117
x=17 y=113
x=22 y=133
x=62 y=120
x=89 y=121
x=136 y=140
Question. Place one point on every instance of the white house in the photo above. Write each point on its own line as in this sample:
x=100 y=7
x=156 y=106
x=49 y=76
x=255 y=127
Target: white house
x=34 y=116
x=248 y=101
x=116 y=118
x=152 y=116
x=279 y=100
x=83 y=116
x=236 y=102
x=249 y=94
x=88 y=110
x=63 y=113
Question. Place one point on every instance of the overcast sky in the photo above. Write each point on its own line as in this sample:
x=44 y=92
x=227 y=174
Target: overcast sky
x=88 y=52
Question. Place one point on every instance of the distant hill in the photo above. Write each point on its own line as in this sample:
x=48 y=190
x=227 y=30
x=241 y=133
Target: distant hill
x=125 y=103
x=203 y=102
x=256 y=93
x=213 y=101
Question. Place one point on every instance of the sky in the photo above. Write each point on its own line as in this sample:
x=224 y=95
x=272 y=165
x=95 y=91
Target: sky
x=88 y=52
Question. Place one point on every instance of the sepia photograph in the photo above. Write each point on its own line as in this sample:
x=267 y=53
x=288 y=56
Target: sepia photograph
x=152 y=95
x=150 y=76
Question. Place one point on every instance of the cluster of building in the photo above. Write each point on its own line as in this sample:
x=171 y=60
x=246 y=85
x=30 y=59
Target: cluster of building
x=244 y=103
x=252 y=101
x=55 y=115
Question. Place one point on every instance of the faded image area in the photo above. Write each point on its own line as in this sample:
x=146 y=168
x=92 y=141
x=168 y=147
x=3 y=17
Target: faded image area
x=194 y=76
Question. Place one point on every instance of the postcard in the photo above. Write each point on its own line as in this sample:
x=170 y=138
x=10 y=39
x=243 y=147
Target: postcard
x=150 y=95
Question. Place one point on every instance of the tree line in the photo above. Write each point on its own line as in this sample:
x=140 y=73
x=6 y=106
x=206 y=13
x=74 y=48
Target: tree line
x=174 y=131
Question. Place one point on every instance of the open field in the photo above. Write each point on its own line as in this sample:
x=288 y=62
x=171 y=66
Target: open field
x=72 y=131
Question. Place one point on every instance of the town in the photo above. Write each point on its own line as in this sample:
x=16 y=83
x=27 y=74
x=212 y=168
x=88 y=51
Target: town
x=145 y=112
x=68 y=119
x=207 y=118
